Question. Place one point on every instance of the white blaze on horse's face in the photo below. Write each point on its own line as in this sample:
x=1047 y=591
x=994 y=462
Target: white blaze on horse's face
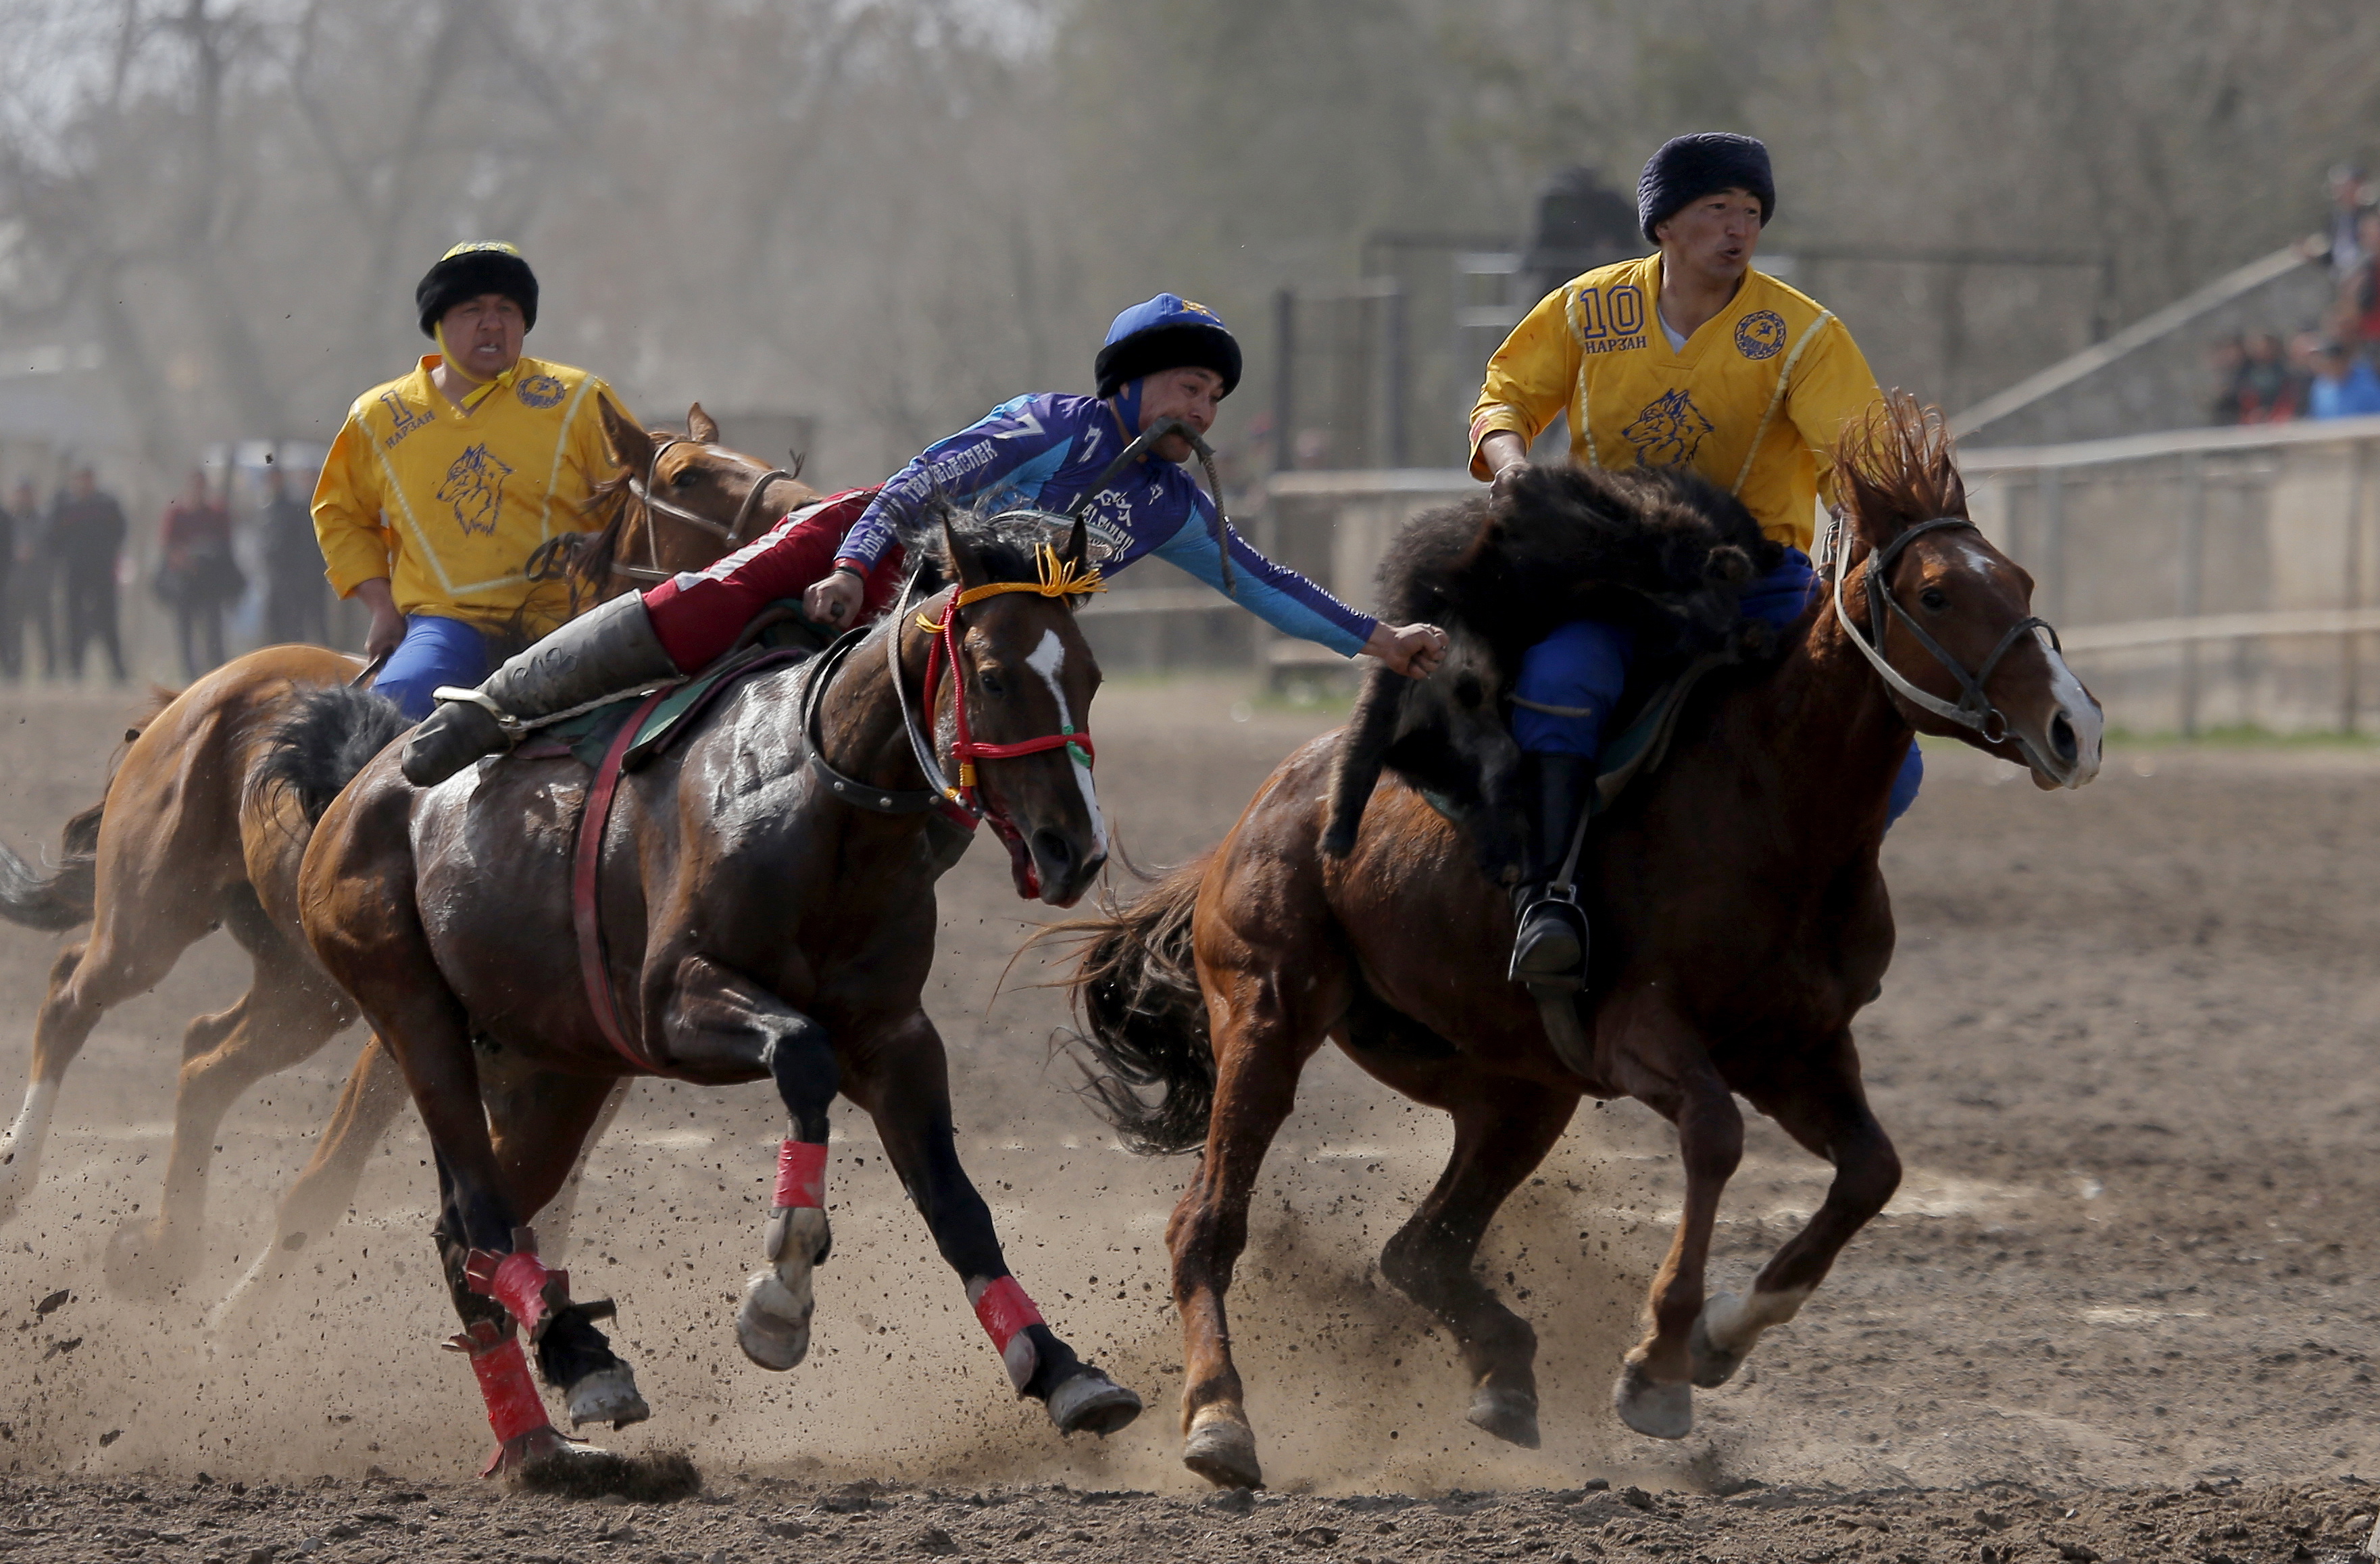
x=1049 y=660
x=2082 y=712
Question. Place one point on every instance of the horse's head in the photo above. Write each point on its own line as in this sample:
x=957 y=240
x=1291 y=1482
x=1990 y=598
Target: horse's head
x=680 y=501
x=1025 y=677
x=1944 y=616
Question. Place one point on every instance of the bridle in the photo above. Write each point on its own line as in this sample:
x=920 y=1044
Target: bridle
x=1061 y=578
x=1974 y=708
x=732 y=534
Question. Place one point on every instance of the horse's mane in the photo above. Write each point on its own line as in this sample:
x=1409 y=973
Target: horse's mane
x=591 y=559
x=1899 y=467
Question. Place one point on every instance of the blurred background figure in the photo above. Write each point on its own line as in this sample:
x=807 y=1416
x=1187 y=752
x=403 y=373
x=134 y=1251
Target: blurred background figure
x=86 y=539
x=2344 y=384
x=2349 y=199
x=196 y=576
x=297 y=598
x=12 y=660
x=30 y=612
x=2268 y=387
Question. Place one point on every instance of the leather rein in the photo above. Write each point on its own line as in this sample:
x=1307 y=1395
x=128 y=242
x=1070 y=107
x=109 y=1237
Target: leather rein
x=1973 y=709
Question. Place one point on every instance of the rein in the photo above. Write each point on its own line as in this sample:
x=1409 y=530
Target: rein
x=1973 y=709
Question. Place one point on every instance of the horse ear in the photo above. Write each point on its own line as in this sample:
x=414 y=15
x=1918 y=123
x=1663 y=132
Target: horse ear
x=1079 y=545
x=631 y=447
x=700 y=426
x=966 y=571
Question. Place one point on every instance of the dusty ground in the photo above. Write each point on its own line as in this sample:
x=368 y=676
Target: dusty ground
x=2123 y=1306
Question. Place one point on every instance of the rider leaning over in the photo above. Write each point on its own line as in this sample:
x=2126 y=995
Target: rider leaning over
x=442 y=482
x=1687 y=357
x=1167 y=357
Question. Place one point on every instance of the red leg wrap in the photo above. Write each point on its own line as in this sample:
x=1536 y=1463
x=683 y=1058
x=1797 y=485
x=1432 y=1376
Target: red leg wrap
x=515 y=1410
x=519 y=1281
x=801 y=1176
x=1004 y=1310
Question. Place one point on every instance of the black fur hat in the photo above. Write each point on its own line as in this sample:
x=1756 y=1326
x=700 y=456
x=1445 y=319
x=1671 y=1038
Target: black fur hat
x=470 y=269
x=1690 y=168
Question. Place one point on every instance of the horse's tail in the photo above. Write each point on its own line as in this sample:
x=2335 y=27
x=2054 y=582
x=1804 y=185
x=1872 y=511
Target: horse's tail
x=64 y=897
x=330 y=734
x=1142 y=1019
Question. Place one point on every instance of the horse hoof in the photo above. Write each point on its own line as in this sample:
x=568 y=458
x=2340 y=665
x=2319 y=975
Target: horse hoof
x=1658 y=1411
x=144 y=1264
x=1222 y=1449
x=1094 y=1402
x=773 y=1325
x=1510 y=1414
x=1714 y=1366
x=607 y=1395
x=535 y=1445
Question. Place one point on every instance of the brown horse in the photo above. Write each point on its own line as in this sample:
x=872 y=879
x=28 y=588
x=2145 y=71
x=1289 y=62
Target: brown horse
x=184 y=843
x=1740 y=923
x=767 y=891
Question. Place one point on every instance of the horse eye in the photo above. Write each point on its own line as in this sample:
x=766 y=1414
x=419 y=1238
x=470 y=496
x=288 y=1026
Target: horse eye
x=990 y=682
x=687 y=477
x=1932 y=597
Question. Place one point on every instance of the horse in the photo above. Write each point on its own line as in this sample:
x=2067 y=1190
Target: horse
x=184 y=842
x=764 y=897
x=1740 y=923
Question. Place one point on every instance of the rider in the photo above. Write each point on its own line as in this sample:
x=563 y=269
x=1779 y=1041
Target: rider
x=442 y=482
x=1686 y=358
x=1167 y=357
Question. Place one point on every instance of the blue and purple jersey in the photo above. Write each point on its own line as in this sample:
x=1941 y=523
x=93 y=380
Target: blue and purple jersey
x=1044 y=451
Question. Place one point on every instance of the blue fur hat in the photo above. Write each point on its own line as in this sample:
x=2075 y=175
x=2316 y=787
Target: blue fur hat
x=1167 y=331
x=1690 y=168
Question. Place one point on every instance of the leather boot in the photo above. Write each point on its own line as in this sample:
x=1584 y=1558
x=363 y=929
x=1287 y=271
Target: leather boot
x=606 y=651
x=1549 y=945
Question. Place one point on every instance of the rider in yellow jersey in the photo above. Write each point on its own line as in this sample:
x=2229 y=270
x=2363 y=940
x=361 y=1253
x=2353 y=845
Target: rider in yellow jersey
x=442 y=482
x=1685 y=358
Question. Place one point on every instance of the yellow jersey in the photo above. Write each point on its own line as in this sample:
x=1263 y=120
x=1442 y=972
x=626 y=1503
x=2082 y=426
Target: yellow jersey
x=449 y=505
x=1753 y=402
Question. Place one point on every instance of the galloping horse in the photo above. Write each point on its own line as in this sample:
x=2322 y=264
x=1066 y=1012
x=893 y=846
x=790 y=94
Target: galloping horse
x=1740 y=923
x=764 y=895
x=184 y=843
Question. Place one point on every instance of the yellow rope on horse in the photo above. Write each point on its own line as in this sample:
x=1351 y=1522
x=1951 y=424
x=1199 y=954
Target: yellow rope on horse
x=1060 y=577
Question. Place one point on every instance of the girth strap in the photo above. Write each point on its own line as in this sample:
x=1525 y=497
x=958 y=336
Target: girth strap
x=586 y=884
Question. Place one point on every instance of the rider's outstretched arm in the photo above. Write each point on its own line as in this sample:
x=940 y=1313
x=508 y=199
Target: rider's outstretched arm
x=1274 y=593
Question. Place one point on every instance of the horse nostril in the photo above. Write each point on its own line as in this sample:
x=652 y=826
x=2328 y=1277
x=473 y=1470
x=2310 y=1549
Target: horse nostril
x=2061 y=737
x=1055 y=851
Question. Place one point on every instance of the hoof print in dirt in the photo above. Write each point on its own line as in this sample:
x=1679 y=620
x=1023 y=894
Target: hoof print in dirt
x=663 y=1477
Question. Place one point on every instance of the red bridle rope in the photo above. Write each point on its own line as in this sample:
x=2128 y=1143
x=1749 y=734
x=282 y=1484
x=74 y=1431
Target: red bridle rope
x=1060 y=578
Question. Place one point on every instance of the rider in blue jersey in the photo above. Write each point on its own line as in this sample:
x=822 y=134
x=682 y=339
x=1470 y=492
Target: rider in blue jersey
x=1164 y=359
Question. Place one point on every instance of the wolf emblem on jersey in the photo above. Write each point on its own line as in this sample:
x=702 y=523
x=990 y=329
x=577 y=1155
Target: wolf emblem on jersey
x=1668 y=432
x=475 y=487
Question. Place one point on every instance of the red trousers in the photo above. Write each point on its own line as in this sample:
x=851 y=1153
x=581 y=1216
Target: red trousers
x=697 y=616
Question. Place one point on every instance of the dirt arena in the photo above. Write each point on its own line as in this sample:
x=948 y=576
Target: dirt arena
x=2122 y=1307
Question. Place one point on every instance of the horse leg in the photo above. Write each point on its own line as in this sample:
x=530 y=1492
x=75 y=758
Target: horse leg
x=1262 y=1040
x=325 y=1188
x=541 y=1121
x=1664 y=1064
x=86 y=982
x=1502 y=1129
x=903 y=1085
x=288 y=1012
x=1827 y=1112
x=718 y=1020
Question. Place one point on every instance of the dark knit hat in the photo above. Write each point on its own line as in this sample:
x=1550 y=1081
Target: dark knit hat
x=1168 y=331
x=1690 y=168
x=470 y=269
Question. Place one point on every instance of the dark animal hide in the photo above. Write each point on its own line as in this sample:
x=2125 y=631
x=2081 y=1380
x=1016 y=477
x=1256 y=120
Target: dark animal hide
x=1664 y=554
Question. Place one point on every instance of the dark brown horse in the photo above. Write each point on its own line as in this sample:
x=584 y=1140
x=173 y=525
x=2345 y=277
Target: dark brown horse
x=184 y=843
x=768 y=901
x=1740 y=923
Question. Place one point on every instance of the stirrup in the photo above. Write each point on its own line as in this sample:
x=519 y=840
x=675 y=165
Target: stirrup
x=1561 y=903
x=513 y=728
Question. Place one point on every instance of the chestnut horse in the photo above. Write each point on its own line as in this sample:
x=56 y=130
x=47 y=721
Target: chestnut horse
x=1740 y=923
x=183 y=844
x=767 y=901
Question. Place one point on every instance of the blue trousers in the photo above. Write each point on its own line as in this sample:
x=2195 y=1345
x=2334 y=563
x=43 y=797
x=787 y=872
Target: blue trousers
x=1581 y=670
x=434 y=652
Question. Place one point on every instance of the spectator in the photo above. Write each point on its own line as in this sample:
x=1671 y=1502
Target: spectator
x=2358 y=291
x=2344 y=383
x=196 y=576
x=33 y=592
x=2227 y=364
x=86 y=537
x=2346 y=199
x=2268 y=387
x=12 y=662
x=296 y=597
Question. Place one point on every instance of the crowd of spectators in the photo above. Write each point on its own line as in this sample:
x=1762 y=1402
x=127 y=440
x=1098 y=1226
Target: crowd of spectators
x=2327 y=372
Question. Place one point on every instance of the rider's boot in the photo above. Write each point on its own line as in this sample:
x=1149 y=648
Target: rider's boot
x=1550 y=945
x=604 y=652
